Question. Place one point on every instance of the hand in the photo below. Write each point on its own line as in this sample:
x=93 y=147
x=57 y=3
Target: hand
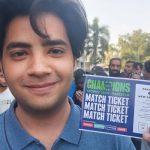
x=79 y=95
x=146 y=137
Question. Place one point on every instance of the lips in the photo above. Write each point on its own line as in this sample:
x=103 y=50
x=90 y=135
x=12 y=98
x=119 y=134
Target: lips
x=42 y=88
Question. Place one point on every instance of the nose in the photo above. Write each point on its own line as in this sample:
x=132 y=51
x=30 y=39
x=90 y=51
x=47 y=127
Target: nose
x=116 y=67
x=39 y=66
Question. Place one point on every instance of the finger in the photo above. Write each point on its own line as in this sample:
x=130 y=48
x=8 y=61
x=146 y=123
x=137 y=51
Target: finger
x=146 y=137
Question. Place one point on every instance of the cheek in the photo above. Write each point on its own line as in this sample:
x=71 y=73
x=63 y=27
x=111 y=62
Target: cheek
x=67 y=65
x=65 y=69
x=13 y=73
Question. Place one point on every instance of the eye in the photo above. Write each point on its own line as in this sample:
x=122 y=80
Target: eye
x=56 y=52
x=19 y=54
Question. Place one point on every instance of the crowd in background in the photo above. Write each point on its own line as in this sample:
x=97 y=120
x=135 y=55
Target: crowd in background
x=132 y=69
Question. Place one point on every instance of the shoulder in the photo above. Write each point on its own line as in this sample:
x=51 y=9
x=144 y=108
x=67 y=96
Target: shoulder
x=1 y=120
x=1 y=126
x=144 y=145
x=106 y=141
x=2 y=133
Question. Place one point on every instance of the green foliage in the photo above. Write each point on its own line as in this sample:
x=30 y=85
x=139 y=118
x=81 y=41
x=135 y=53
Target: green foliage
x=96 y=42
x=131 y=46
x=134 y=46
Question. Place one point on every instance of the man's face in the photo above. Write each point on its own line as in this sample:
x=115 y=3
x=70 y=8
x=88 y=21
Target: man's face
x=128 y=68
x=137 y=70
x=136 y=75
x=114 y=68
x=38 y=71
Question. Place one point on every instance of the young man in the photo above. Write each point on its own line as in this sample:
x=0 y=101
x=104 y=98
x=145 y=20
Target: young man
x=40 y=41
x=128 y=69
x=137 y=71
x=114 y=67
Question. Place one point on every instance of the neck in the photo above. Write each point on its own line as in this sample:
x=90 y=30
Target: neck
x=49 y=127
x=2 y=88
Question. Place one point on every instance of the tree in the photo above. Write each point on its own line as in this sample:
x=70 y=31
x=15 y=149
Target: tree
x=134 y=46
x=113 y=51
x=97 y=42
x=147 y=51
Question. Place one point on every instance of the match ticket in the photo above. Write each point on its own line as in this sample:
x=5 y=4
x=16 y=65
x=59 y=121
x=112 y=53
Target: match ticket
x=116 y=106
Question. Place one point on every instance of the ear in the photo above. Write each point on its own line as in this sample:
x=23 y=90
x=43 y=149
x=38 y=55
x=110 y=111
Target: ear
x=1 y=70
x=2 y=77
x=75 y=62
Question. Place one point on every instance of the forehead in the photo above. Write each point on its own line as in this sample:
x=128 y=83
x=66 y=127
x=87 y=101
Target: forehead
x=137 y=68
x=20 y=28
x=129 y=64
x=115 y=62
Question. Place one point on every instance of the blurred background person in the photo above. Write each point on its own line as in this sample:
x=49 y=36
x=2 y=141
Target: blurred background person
x=146 y=71
x=5 y=95
x=79 y=77
x=97 y=70
x=115 y=67
x=127 y=69
x=137 y=71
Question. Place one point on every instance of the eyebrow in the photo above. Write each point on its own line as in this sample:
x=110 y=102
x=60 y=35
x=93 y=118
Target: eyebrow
x=115 y=65
x=48 y=42
x=18 y=45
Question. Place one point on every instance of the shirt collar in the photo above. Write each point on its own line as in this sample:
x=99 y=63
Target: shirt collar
x=18 y=138
x=71 y=132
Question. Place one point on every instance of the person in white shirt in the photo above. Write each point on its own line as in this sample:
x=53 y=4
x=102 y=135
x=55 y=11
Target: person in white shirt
x=5 y=95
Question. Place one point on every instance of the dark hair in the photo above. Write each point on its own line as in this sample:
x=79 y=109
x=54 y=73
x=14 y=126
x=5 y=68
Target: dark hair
x=137 y=65
x=147 y=66
x=130 y=61
x=114 y=59
x=79 y=76
x=71 y=12
x=97 y=70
